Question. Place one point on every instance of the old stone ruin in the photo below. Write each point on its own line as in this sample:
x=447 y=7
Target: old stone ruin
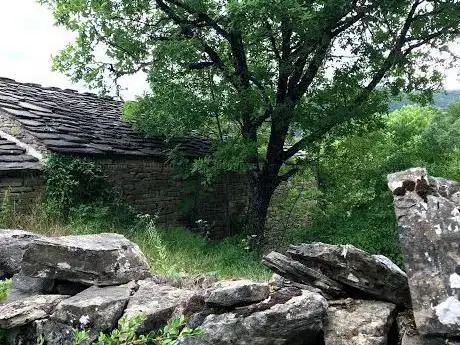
x=320 y=294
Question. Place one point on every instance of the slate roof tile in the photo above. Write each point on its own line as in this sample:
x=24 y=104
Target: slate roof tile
x=13 y=157
x=66 y=121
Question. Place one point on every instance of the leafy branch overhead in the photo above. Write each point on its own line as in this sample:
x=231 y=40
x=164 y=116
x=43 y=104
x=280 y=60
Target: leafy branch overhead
x=277 y=76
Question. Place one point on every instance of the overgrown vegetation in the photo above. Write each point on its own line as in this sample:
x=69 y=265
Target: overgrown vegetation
x=354 y=205
x=71 y=182
x=125 y=334
x=83 y=206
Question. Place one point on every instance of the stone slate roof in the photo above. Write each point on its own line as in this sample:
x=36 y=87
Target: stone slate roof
x=13 y=157
x=66 y=121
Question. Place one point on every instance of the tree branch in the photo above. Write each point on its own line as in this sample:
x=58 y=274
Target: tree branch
x=201 y=16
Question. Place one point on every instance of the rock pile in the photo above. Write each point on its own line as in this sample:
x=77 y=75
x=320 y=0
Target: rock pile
x=364 y=292
x=320 y=294
x=92 y=281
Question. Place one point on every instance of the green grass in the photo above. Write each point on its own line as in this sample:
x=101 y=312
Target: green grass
x=172 y=251
x=178 y=251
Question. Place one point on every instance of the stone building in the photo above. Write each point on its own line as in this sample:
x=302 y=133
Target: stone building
x=37 y=121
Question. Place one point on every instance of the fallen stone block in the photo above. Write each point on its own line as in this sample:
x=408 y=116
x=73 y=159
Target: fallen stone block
x=297 y=272
x=24 y=286
x=103 y=259
x=156 y=303
x=95 y=308
x=374 y=275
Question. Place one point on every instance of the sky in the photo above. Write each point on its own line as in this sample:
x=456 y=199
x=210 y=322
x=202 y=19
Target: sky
x=29 y=38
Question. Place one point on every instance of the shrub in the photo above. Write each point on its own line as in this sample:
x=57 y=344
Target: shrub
x=71 y=182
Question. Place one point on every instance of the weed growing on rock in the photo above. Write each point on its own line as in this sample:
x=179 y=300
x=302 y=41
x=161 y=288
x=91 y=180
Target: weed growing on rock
x=4 y=288
x=125 y=334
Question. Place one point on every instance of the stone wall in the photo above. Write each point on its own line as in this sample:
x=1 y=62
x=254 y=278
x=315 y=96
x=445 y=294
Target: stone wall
x=24 y=188
x=151 y=188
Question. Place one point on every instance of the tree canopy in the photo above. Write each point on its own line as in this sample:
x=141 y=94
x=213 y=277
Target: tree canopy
x=267 y=77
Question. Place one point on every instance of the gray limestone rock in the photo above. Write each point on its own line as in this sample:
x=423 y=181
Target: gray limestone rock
x=358 y=322
x=297 y=272
x=13 y=243
x=376 y=276
x=102 y=259
x=429 y=227
x=24 y=311
x=229 y=294
x=24 y=286
x=299 y=321
x=421 y=340
x=95 y=308
x=155 y=302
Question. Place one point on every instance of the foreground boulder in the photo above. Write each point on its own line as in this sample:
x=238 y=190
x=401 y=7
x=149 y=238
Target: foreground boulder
x=298 y=321
x=103 y=259
x=13 y=243
x=359 y=322
x=428 y=215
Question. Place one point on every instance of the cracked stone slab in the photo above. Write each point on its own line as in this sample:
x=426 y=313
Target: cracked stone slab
x=298 y=321
x=22 y=312
x=97 y=308
x=428 y=215
x=236 y=293
x=374 y=275
x=358 y=322
x=156 y=302
x=101 y=259
x=297 y=272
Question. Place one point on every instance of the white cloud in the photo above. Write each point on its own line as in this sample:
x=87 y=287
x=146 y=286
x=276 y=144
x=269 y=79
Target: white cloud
x=28 y=39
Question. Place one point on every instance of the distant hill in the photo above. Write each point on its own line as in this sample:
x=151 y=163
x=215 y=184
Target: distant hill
x=441 y=100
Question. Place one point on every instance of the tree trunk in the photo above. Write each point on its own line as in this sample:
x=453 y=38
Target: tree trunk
x=260 y=194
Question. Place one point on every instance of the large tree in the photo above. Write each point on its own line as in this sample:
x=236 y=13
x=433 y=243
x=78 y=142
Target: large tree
x=272 y=76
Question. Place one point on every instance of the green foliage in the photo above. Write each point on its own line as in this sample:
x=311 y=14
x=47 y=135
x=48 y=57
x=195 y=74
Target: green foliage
x=71 y=182
x=356 y=206
x=4 y=288
x=258 y=75
x=125 y=334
